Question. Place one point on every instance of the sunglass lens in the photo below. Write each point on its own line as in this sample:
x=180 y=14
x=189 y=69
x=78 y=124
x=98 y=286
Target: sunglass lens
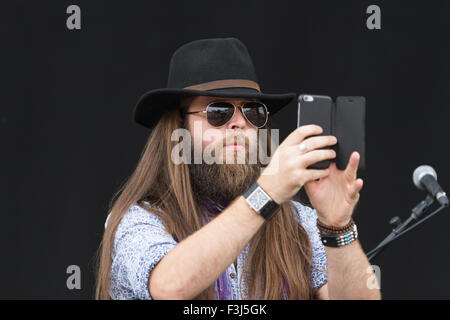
x=219 y=113
x=256 y=113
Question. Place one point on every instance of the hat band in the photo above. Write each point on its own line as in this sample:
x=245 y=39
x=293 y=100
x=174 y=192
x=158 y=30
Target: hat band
x=222 y=84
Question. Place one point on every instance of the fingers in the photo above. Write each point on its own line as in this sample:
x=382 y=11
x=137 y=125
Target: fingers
x=299 y=134
x=314 y=156
x=355 y=187
x=352 y=166
x=314 y=174
x=319 y=142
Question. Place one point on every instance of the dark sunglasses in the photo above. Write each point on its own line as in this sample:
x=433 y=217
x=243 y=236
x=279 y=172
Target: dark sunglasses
x=218 y=113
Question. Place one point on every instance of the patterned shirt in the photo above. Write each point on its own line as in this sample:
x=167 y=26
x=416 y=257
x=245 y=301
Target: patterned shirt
x=141 y=241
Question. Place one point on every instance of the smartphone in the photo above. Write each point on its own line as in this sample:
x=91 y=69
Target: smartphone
x=316 y=109
x=350 y=130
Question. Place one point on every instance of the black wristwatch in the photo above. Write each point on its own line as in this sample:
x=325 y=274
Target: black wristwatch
x=261 y=202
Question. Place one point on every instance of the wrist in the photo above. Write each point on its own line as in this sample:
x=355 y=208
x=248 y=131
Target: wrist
x=267 y=187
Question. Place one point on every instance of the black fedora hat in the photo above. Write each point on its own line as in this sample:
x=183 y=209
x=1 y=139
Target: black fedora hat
x=217 y=67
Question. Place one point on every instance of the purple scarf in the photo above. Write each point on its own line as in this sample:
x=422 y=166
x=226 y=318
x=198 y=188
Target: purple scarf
x=222 y=285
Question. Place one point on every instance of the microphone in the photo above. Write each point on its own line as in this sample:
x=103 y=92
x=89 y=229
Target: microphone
x=425 y=178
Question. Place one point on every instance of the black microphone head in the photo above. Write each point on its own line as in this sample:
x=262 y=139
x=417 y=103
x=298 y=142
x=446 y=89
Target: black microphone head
x=420 y=172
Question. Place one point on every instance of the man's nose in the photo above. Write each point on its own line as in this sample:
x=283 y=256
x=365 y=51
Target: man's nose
x=238 y=121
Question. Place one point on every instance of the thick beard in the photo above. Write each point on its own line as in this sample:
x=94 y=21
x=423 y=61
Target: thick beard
x=222 y=182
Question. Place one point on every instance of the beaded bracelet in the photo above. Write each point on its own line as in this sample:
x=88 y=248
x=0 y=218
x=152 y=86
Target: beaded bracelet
x=323 y=228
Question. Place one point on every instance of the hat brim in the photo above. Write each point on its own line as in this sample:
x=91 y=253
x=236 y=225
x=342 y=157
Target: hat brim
x=153 y=104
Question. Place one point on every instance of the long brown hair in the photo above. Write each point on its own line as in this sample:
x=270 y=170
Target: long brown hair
x=280 y=251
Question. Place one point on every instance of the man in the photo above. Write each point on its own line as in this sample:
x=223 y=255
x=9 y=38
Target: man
x=227 y=230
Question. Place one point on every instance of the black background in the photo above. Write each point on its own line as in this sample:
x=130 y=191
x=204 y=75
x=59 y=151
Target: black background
x=68 y=140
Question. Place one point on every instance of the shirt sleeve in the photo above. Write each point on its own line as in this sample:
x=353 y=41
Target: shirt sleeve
x=307 y=218
x=141 y=241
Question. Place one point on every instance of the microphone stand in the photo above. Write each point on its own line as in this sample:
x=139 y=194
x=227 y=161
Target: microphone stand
x=400 y=227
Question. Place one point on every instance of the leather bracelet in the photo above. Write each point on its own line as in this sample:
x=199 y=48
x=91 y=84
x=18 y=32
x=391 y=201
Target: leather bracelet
x=339 y=240
x=323 y=228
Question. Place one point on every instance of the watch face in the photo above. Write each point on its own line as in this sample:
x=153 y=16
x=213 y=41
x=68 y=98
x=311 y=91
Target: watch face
x=258 y=199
